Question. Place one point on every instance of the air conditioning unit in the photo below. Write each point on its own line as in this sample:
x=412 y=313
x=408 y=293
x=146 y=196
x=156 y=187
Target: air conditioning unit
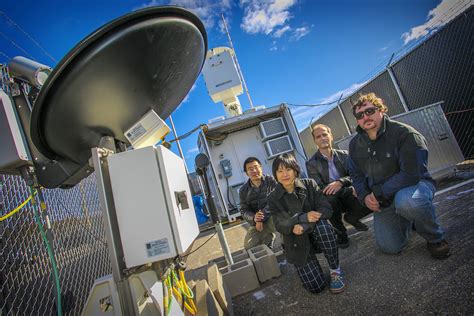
x=272 y=128
x=277 y=146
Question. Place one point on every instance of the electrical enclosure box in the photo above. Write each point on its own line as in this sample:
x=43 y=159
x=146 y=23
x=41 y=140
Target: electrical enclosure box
x=221 y=76
x=148 y=131
x=226 y=167
x=277 y=146
x=13 y=153
x=153 y=202
x=272 y=128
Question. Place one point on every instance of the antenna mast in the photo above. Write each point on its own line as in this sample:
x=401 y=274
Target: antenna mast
x=237 y=62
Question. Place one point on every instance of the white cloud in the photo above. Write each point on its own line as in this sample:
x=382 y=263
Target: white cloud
x=345 y=93
x=274 y=46
x=265 y=16
x=304 y=115
x=191 y=152
x=278 y=33
x=209 y=11
x=437 y=17
x=383 y=49
x=300 y=32
x=186 y=99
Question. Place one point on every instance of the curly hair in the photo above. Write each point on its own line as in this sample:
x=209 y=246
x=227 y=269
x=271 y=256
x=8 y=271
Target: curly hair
x=372 y=98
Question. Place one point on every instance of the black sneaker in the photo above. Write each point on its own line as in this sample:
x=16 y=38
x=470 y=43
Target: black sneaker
x=357 y=224
x=439 y=250
x=342 y=241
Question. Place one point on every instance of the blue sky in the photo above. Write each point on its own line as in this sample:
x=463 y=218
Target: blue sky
x=294 y=51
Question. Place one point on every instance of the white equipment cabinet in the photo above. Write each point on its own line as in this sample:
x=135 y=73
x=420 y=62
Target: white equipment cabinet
x=153 y=202
x=262 y=133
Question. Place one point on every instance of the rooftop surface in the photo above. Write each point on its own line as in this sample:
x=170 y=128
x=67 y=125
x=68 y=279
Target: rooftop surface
x=409 y=283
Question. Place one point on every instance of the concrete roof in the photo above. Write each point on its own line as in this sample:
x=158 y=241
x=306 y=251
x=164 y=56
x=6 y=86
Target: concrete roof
x=410 y=283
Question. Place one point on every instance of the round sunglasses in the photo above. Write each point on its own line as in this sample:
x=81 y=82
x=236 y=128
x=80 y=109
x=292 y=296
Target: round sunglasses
x=368 y=112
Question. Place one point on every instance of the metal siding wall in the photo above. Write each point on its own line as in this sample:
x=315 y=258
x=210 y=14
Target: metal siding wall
x=334 y=120
x=444 y=152
x=308 y=143
x=441 y=69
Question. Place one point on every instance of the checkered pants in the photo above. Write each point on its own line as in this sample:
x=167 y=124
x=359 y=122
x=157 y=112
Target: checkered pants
x=311 y=274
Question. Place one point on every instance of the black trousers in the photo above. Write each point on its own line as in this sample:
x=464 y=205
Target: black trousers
x=345 y=202
x=311 y=274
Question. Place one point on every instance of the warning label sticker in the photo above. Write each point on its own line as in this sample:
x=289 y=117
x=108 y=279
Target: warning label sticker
x=136 y=132
x=157 y=247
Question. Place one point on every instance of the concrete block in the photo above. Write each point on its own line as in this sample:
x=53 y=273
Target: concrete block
x=265 y=262
x=205 y=301
x=221 y=293
x=237 y=256
x=240 y=277
x=280 y=255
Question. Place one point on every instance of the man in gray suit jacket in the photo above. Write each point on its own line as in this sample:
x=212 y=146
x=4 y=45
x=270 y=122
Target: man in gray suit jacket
x=328 y=167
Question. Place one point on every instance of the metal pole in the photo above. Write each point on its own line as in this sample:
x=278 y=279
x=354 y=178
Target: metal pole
x=237 y=62
x=395 y=84
x=216 y=220
x=342 y=115
x=104 y=188
x=179 y=145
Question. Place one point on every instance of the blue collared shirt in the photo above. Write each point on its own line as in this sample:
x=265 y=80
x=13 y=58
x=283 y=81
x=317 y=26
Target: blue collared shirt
x=333 y=173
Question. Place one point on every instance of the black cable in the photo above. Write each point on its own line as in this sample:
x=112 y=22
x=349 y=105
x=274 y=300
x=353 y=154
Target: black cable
x=228 y=191
x=188 y=133
x=199 y=246
x=318 y=104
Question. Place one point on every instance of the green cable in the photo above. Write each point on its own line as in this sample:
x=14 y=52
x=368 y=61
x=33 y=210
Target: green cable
x=170 y=294
x=50 y=253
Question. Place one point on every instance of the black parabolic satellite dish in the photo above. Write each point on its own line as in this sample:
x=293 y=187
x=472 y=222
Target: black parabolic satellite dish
x=148 y=59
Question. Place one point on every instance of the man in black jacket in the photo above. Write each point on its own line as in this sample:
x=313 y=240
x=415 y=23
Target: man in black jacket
x=388 y=165
x=328 y=167
x=253 y=205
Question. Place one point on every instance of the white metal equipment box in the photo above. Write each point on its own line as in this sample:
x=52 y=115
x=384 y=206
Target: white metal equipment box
x=153 y=202
x=221 y=76
x=13 y=150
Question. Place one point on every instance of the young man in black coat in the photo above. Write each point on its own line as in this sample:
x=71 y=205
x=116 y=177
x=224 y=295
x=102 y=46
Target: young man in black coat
x=253 y=205
x=388 y=165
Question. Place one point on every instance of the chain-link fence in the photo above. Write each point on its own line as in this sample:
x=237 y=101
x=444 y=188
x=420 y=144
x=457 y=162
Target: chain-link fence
x=26 y=282
x=438 y=68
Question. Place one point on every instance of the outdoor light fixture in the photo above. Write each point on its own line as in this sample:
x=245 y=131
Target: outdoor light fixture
x=29 y=71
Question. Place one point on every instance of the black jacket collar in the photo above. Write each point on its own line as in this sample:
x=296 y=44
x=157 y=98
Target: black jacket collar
x=300 y=189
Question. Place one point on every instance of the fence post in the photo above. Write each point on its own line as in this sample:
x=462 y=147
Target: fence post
x=342 y=115
x=395 y=84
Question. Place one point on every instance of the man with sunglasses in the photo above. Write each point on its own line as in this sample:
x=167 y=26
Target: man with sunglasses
x=388 y=166
x=328 y=167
